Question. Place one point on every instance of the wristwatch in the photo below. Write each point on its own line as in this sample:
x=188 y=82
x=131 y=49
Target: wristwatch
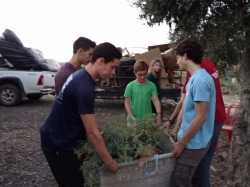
x=171 y=121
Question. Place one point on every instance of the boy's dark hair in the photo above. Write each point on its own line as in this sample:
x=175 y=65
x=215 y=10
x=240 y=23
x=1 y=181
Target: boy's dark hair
x=191 y=47
x=83 y=43
x=107 y=51
x=140 y=65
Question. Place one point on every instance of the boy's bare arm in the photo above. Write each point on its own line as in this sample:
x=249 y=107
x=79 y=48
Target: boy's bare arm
x=127 y=105
x=178 y=107
x=197 y=122
x=157 y=105
x=177 y=125
x=97 y=141
x=128 y=109
x=176 y=112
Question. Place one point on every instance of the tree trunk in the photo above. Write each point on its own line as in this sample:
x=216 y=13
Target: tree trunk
x=238 y=173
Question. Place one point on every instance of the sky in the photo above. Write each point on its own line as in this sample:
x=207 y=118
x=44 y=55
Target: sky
x=52 y=26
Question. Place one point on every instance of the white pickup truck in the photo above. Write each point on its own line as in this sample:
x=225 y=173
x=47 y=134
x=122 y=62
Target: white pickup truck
x=16 y=84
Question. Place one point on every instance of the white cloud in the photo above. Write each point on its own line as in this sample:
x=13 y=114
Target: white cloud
x=53 y=25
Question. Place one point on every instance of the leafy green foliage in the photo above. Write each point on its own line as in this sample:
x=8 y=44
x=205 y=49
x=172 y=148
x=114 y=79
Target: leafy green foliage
x=223 y=27
x=124 y=143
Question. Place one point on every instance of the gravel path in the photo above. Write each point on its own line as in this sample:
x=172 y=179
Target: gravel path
x=23 y=164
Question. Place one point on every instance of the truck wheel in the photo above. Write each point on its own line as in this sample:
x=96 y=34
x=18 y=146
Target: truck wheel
x=34 y=96
x=10 y=95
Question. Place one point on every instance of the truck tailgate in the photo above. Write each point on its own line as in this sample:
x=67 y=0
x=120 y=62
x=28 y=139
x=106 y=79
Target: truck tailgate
x=49 y=79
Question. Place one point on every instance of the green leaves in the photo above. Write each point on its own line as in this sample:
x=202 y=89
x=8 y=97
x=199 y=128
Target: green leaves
x=124 y=143
x=221 y=26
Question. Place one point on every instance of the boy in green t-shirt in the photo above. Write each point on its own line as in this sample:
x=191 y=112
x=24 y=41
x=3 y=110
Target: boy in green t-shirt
x=139 y=93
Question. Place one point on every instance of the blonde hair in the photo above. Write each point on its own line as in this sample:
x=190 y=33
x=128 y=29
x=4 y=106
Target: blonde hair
x=151 y=68
x=140 y=65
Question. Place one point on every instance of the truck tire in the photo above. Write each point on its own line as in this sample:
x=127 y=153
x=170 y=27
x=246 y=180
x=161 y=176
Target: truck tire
x=10 y=95
x=34 y=96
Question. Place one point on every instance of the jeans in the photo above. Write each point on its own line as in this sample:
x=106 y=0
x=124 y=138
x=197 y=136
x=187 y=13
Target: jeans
x=202 y=174
x=65 y=167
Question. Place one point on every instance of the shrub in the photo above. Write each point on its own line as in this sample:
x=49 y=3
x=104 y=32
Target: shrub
x=124 y=143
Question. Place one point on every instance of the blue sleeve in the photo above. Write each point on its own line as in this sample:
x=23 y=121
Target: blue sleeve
x=202 y=89
x=86 y=100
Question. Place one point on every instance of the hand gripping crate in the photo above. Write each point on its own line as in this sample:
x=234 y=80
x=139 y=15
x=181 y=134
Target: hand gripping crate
x=155 y=173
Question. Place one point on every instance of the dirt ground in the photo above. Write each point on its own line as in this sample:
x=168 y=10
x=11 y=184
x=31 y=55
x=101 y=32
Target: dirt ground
x=22 y=162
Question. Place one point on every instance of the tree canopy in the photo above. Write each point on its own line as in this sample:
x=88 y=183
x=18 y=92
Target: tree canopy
x=223 y=27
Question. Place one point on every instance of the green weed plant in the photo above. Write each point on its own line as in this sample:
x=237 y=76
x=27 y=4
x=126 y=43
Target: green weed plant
x=125 y=144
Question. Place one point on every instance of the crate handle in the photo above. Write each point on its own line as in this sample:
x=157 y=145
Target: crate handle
x=156 y=166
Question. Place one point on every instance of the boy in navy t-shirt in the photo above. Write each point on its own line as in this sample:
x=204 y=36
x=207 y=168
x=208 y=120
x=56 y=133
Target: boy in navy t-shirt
x=73 y=118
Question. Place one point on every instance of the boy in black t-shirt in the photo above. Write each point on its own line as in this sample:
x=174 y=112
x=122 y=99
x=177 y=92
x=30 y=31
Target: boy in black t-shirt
x=73 y=118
